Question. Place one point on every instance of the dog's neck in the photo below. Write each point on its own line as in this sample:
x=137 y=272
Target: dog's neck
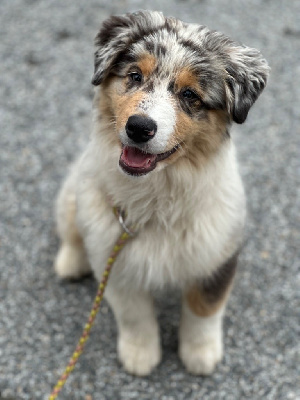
x=163 y=196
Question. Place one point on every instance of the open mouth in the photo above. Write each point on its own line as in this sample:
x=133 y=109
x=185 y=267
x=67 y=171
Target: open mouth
x=136 y=162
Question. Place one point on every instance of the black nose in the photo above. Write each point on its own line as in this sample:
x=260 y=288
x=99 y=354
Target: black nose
x=140 y=128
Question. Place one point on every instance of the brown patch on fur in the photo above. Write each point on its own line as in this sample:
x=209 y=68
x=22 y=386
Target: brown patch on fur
x=201 y=135
x=117 y=105
x=147 y=64
x=206 y=298
x=201 y=138
x=186 y=78
x=198 y=303
x=125 y=106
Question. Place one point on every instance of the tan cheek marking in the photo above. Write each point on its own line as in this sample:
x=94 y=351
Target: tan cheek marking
x=186 y=128
x=200 y=138
x=108 y=89
x=116 y=106
x=147 y=64
x=211 y=132
x=124 y=106
x=184 y=131
x=218 y=121
x=208 y=129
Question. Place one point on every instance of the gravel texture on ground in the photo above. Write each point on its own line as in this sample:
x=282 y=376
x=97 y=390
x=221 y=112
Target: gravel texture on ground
x=46 y=51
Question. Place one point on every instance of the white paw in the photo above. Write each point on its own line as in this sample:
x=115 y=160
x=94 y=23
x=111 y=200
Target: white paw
x=139 y=359
x=71 y=263
x=201 y=359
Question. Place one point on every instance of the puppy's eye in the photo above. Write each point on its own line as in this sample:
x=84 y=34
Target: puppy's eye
x=189 y=94
x=135 y=77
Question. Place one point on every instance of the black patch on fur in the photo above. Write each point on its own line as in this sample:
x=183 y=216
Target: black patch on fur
x=119 y=64
x=157 y=72
x=215 y=287
x=131 y=84
x=190 y=44
x=149 y=87
x=161 y=50
x=169 y=26
x=184 y=106
x=122 y=60
x=149 y=46
x=196 y=110
x=171 y=87
x=110 y=29
x=206 y=77
x=246 y=79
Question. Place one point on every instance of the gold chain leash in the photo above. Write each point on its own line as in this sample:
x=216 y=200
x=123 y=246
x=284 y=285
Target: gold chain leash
x=124 y=237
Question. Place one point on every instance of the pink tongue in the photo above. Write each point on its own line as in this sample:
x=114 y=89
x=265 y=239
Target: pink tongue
x=135 y=158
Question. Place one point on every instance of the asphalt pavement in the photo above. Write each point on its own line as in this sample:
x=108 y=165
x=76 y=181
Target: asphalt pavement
x=46 y=63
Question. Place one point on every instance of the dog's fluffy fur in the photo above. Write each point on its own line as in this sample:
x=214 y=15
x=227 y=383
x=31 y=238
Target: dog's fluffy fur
x=180 y=187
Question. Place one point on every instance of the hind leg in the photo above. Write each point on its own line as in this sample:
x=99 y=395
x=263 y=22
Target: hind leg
x=71 y=261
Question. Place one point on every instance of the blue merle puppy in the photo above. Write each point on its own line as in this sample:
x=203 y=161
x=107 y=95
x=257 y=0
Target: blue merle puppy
x=166 y=95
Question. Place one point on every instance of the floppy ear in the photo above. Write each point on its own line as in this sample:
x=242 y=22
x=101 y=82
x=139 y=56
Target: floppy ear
x=111 y=41
x=247 y=74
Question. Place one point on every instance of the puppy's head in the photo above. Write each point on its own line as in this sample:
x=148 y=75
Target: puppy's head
x=172 y=89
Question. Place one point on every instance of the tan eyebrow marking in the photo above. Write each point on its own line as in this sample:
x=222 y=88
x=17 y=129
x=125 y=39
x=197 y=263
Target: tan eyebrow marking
x=187 y=78
x=147 y=64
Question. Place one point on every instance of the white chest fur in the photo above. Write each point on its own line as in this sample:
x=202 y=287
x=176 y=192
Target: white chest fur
x=189 y=221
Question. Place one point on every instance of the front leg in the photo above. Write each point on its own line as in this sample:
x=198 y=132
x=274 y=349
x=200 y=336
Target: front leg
x=201 y=342
x=138 y=342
